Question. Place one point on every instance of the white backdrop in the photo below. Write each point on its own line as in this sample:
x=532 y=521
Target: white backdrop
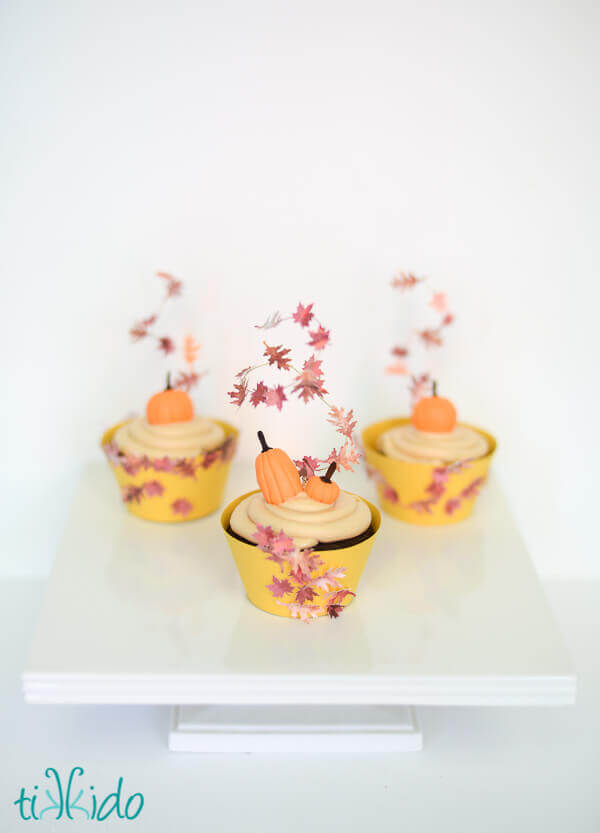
x=268 y=153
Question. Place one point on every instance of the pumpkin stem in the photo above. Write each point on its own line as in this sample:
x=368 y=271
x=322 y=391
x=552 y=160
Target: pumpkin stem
x=329 y=472
x=168 y=380
x=263 y=442
x=434 y=388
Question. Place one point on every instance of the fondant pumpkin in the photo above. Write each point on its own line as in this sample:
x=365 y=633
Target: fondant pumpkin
x=434 y=414
x=321 y=488
x=276 y=474
x=169 y=406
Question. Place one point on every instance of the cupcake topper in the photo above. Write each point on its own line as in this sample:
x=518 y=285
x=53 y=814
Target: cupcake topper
x=430 y=337
x=144 y=329
x=321 y=488
x=307 y=383
x=276 y=474
x=169 y=406
x=434 y=414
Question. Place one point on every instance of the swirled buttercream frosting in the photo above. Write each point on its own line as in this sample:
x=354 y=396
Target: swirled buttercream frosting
x=174 y=439
x=305 y=520
x=405 y=442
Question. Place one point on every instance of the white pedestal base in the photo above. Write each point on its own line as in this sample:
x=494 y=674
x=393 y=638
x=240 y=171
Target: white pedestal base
x=249 y=729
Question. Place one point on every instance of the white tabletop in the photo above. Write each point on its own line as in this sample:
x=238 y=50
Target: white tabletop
x=523 y=770
x=137 y=612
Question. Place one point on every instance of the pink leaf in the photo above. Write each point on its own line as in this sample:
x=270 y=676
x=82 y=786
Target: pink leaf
x=303 y=315
x=302 y=612
x=400 y=352
x=345 y=456
x=279 y=587
x=275 y=397
x=264 y=537
x=153 y=488
x=319 y=339
x=344 y=422
x=281 y=544
x=181 y=506
x=305 y=594
x=439 y=302
x=307 y=466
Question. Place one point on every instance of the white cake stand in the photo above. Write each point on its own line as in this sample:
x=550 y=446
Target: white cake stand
x=139 y=613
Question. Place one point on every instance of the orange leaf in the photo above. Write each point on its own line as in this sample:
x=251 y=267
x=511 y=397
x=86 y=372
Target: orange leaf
x=190 y=350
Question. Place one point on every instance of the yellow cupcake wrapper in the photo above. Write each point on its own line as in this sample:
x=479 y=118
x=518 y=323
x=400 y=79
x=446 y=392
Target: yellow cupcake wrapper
x=299 y=584
x=167 y=489
x=422 y=493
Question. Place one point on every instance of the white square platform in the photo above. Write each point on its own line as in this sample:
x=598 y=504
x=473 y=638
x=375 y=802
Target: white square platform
x=137 y=612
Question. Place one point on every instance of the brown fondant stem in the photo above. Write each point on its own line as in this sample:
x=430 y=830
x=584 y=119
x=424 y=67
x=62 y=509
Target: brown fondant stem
x=168 y=380
x=434 y=387
x=263 y=442
x=329 y=472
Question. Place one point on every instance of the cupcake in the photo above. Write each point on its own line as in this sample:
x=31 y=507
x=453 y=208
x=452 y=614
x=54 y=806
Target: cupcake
x=171 y=464
x=299 y=542
x=300 y=548
x=428 y=468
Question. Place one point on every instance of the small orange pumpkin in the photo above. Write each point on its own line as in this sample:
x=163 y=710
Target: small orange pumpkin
x=434 y=414
x=276 y=474
x=321 y=488
x=169 y=406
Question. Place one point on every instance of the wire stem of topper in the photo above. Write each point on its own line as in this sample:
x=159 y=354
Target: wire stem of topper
x=144 y=329
x=307 y=383
x=421 y=384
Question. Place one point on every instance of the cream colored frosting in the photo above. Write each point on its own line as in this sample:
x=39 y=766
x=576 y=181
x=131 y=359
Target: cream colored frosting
x=405 y=442
x=305 y=520
x=175 y=439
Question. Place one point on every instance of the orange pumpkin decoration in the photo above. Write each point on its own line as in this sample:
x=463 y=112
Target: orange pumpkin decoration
x=169 y=406
x=434 y=414
x=276 y=474
x=321 y=488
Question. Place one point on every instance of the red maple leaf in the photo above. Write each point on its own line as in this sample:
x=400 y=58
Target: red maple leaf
x=259 y=394
x=430 y=338
x=276 y=396
x=148 y=322
x=305 y=594
x=239 y=392
x=166 y=345
x=309 y=383
x=279 y=587
x=333 y=611
x=319 y=339
x=303 y=315
x=344 y=423
x=278 y=355
x=447 y=319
